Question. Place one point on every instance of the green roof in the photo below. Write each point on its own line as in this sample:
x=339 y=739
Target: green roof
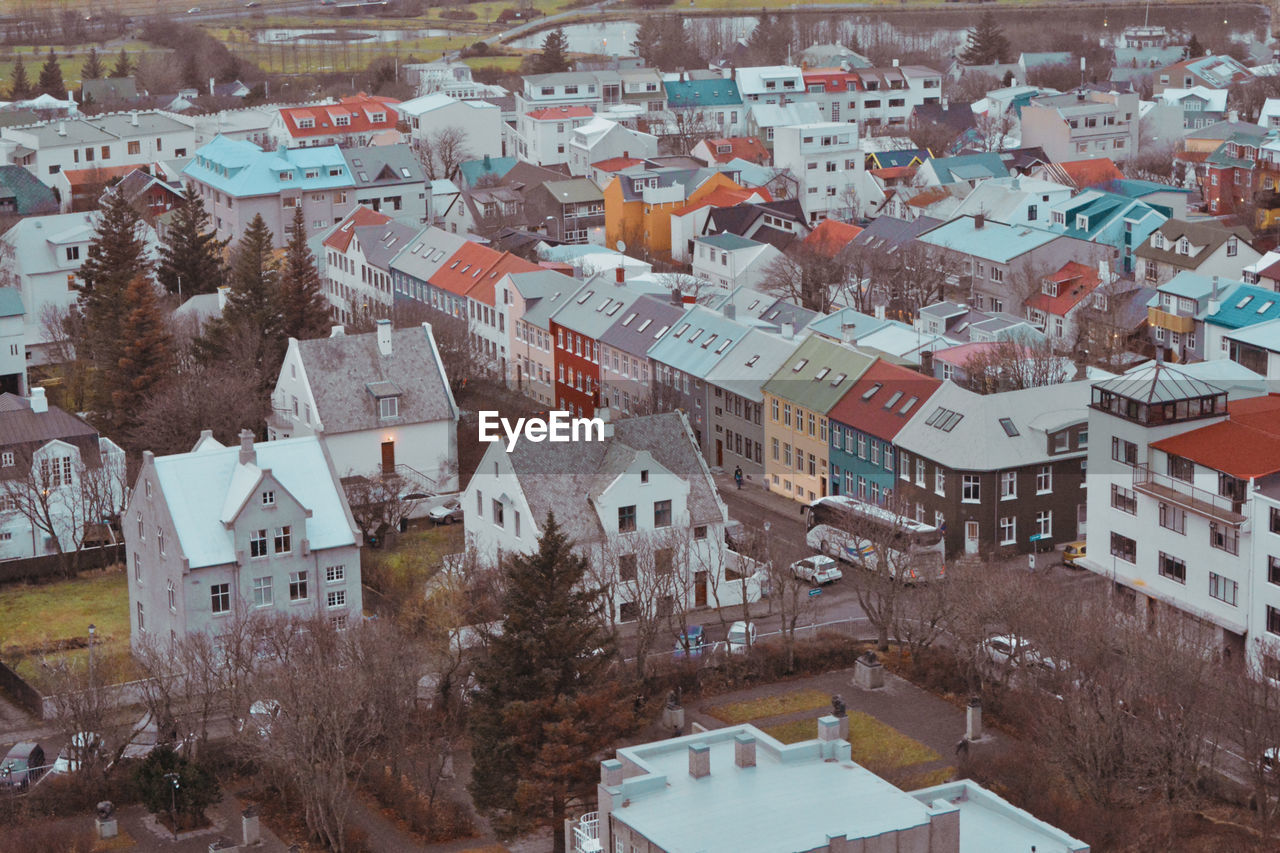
x=30 y=196
x=818 y=374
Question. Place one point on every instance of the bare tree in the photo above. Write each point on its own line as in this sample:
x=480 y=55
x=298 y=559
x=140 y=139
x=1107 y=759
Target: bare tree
x=442 y=152
x=1016 y=363
x=934 y=137
x=379 y=501
x=1251 y=727
x=805 y=275
x=683 y=129
x=994 y=132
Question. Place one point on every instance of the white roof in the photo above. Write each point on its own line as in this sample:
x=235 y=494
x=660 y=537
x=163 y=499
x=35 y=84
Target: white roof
x=1215 y=99
x=1270 y=110
x=436 y=101
x=207 y=486
x=751 y=80
x=593 y=131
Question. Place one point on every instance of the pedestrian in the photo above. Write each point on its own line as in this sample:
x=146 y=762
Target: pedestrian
x=737 y=476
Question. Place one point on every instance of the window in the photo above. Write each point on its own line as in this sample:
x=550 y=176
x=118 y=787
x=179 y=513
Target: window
x=626 y=519
x=263 y=596
x=220 y=597
x=904 y=468
x=1008 y=485
x=1181 y=468
x=1275 y=520
x=920 y=473
x=1044 y=480
x=627 y=567
x=1124 y=548
x=663 y=561
x=1008 y=530
x=1173 y=518
x=1224 y=538
x=1124 y=451
x=1273 y=620
x=258 y=543
x=73 y=253
x=1223 y=588
x=662 y=513
x=137 y=567
x=971 y=489
x=336 y=598
x=297 y=586
x=498 y=516
x=1124 y=499
x=269 y=498
x=1172 y=568
x=173 y=598
x=388 y=407
x=6 y=461
x=142 y=619
x=1044 y=522
x=516 y=523
x=333 y=574
x=940 y=482
x=284 y=539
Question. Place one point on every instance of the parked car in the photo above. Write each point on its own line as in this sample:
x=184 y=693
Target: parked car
x=742 y=635
x=1074 y=551
x=817 y=570
x=1006 y=650
x=23 y=766
x=690 y=644
x=447 y=513
x=1271 y=759
x=78 y=752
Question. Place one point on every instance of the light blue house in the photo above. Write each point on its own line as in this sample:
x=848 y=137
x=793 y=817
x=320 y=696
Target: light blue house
x=1109 y=219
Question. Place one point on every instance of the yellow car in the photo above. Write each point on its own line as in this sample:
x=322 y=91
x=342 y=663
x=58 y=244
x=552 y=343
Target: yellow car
x=1074 y=551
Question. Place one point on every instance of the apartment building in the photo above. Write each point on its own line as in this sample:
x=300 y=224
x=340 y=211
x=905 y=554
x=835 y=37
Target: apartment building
x=1083 y=124
x=542 y=136
x=479 y=122
x=1208 y=248
x=624 y=361
x=135 y=138
x=220 y=534
x=355 y=263
x=535 y=298
x=354 y=121
x=770 y=84
x=872 y=97
x=823 y=158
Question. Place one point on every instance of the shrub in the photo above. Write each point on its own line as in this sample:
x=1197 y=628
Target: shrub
x=46 y=837
x=458 y=15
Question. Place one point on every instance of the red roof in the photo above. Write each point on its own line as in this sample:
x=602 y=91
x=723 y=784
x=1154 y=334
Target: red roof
x=831 y=236
x=891 y=172
x=748 y=148
x=102 y=174
x=1090 y=173
x=474 y=269
x=1245 y=445
x=884 y=381
x=926 y=197
x=357 y=111
x=340 y=239
x=1272 y=272
x=617 y=164
x=485 y=290
x=832 y=79
x=555 y=113
x=724 y=197
x=1075 y=282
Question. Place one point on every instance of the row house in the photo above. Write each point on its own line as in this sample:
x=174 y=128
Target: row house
x=798 y=399
x=1003 y=471
x=1184 y=516
x=872 y=97
x=355 y=264
x=535 y=298
x=413 y=268
x=1236 y=306
x=1107 y=219
x=136 y=138
x=542 y=136
x=1244 y=172
x=863 y=426
x=736 y=404
x=1206 y=248
x=466 y=286
x=824 y=159
x=624 y=351
x=713 y=106
x=356 y=120
x=1083 y=124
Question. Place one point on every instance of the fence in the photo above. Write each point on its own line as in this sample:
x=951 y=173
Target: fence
x=21 y=692
x=852 y=627
x=50 y=565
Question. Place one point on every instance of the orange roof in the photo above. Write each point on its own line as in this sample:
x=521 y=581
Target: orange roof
x=485 y=290
x=1075 y=282
x=924 y=198
x=474 y=269
x=617 y=164
x=81 y=177
x=748 y=148
x=553 y=113
x=1090 y=173
x=356 y=110
x=340 y=239
x=831 y=236
x=1245 y=445
x=724 y=197
x=890 y=172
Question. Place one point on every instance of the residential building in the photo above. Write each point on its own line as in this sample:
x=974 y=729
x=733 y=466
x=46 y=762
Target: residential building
x=381 y=401
x=1255 y=347
x=221 y=534
x=1109 y=219
x=963 y=169
x=727 y=261
x=22 y=194
x=798 y=399
x=745 y=212
x=354 y=121
x=772 y=84
x=571 y=210
x=1063 y=294
x=449 y=78
x=79 y=476
x=725 y=149
x=701 y=792
x=704 y=106
x=13 y=346
x=763 y=120
x=389 y=178
x=479 y=122
x=412 y=270
x=1236 y=306
x=639 y=203
x=1082 y=124
x=624 y=346
x=134 y=138
x=736 y=405
x=823 y=158
x=355 y=263
x=535 y=298
x=542 y=136
x=601 y=139
x=1015 y=200
x=872 y=97
x=1207 y=248
x=82 y=189
x=566 y=88
x=1214 y=71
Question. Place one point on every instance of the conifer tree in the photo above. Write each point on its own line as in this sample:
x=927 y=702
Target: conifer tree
x=123 y=68
x=1194 y=48
x=191 y=254
x=21 y=89
x=146 y=355
x=303 y=307
x=554 y=56
x=545 y=707
x=92 y=69
x=987 y=43
x=50 y=81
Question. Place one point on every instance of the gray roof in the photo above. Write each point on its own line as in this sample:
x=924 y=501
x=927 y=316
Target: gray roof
x=728 y=242
x=574 y=190
x=19 y=426
x=544 y=293
x=381 y=165
x=1158 y=383
x=104 y=128
x=28 y=194
x=977 y=442
x=598 y=305
x=751 y=362
x=427 y=253
x=563 y=477
x=381 y=243
x=340 y=370
x=631 y=334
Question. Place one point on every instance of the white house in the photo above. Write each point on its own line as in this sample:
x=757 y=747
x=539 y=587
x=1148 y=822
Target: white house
x=770 y=84
x=381 y=400
x=114 y=139
x=637 y=499
x=225 y=533
x=13 y=347
x=823 y=157
x=479 y=121
x=355 y=263
x=727 y=261
x=602 y=139
x=542 y=136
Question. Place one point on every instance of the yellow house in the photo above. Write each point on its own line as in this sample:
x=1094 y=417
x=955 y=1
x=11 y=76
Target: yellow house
x=638 y=205
x=797 y=399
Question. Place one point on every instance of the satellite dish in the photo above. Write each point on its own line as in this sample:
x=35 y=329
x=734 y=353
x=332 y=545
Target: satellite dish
x=622 y=247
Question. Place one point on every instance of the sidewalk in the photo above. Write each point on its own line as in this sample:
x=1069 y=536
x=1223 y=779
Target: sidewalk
x=755 y=492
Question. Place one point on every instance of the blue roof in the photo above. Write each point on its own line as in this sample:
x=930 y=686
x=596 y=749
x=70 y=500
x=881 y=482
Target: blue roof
x=994 y=241
x=968 y=167
x=474 y=170
x=686 y=346
x=1134 y=188
x=1190 y=285
x=833 y=325
x=10 y=302
x=721 y=92
x=1246 y=305
x=240 y=168
x=728 y=242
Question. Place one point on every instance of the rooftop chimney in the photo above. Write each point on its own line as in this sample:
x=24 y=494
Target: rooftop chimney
x=788 y=331
x=621 y=277
x=699 y=760
x=1233 y=116
x=62 y=128
x=384 y=337
x=676 y=297
x=979 y=219
x=1214 y=302
x=828 y=728
x=39 y=402
x=133 y=118
x=248 y=456
x=730 y=310
x=744 y=750
x=337 y=331
x=222 y=297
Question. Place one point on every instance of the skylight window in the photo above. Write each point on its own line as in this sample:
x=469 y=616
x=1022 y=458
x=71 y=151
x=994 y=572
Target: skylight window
x=604 y=305
x=465 y=267
x=753 y=305
x=800 y=365
x=751 y=362
x=897 y=395
x=1266 y=306
x=724 y=345
x=1009 y=429
x=1244 y=302
x=906 y=407
x=416 y=248
x=822 y=374
x=684 y=327
x=454 y=265
x=839 y=378
x=405 y=172
x=630 y=317
x=697 y=334
x=871 y=392
x=616 y=307
x=645 y=325
x=709 y=341
x=935 y=417
x=584 y=297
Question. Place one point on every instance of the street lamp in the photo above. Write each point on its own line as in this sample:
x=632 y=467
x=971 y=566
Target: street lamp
x=92 y=630
x=172 y=779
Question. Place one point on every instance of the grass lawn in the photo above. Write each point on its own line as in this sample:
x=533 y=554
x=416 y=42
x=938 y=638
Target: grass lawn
x=413 y=558
x=506 y=63
x=873 y=744
x=772 y=706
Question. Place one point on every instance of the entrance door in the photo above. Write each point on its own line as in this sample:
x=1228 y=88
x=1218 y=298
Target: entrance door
x=971 y=537
x=700 y=589
x=1080 y=520
x=719 y=453
x=388 y=457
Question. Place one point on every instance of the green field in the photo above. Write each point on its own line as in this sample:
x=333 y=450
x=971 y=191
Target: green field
x=874 y=744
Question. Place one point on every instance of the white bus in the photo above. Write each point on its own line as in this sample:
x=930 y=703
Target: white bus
x=848 y=529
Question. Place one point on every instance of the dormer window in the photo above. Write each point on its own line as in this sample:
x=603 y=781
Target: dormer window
x=1049 y=288
x=1184 y=246
x=269 y=498
x=388 y=407
x=304 y=123
x=286 y=176
x=342 y=121
x=1157 y=240
x=378 y=118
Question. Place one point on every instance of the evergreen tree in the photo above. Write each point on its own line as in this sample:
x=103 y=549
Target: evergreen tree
x=123 y=68
x=92 y=69
x=987 y=43
x=21 y=85
x=545 y=707
x=197 y=788
x=50 y=81
x=554 y=56
x=648 y=43
x=303 y=307
x=191 y=73
x=146 y=355
x=1194 y=47
x=770 y=42
x=115 y=257
x=191 y=254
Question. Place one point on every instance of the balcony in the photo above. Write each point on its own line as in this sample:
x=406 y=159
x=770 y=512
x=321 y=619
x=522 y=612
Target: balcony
x=1202 y=502
x=1171 y=322
x=586 y=834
